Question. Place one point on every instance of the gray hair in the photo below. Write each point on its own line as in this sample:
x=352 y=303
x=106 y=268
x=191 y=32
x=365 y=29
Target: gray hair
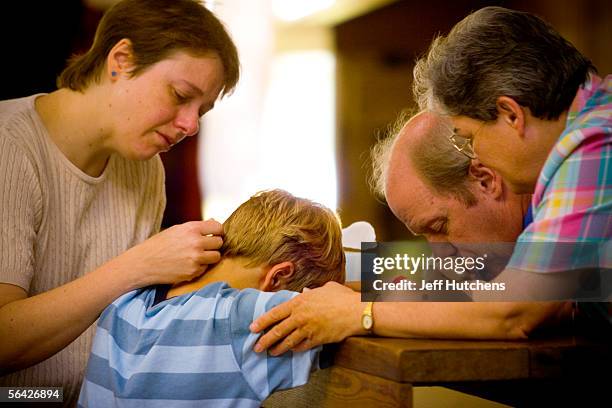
x=380 y=155
x=497 y=52
x=440 y=165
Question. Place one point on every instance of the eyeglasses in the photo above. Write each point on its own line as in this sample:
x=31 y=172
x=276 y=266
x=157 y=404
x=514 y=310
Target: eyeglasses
x=463 y=145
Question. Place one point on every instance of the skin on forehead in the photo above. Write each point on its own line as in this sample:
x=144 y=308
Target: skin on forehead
x=443 y=217
x=408 y=197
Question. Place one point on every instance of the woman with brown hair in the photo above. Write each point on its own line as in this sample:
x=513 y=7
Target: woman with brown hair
x=82 y=191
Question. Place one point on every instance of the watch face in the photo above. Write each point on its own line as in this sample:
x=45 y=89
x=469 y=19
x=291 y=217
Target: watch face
x=366 y=322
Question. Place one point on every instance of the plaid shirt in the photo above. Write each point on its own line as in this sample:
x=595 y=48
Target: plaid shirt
x=572 y=202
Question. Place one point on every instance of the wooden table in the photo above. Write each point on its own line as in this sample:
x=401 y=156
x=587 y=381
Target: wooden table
x=381 y=372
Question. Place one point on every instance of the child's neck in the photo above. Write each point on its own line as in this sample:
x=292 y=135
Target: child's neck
x=227 y=270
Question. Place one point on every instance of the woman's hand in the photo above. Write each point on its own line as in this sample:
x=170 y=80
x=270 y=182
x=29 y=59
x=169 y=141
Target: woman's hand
x=323 y=315
x=34 y=328
x=179 y=253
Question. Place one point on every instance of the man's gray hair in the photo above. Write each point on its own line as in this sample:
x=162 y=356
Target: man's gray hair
x=497 y=52
x=440 y=165
x=381 y=154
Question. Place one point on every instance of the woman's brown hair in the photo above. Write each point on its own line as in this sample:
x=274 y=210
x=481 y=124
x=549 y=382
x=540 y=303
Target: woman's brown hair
x=156 y=29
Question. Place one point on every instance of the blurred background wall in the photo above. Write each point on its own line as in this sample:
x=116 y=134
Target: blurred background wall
x=321 y=81
x=376 y=53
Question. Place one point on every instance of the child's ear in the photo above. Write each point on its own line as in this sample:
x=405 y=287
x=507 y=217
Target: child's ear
x=278 y=277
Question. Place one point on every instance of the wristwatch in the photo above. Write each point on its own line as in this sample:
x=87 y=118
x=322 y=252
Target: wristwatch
x=367 y=318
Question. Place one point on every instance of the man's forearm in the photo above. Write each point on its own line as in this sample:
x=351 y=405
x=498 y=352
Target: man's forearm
x=482 y=320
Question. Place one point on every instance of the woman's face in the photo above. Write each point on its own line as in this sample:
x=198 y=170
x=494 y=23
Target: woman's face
x=162 y=105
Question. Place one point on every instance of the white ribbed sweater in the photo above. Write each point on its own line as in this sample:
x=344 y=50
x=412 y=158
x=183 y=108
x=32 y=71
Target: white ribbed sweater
x=57 y=223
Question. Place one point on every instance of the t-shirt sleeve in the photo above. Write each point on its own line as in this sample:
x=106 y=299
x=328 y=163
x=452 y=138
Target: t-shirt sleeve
x=20 y=213
x=573 y=219
x=265 y=373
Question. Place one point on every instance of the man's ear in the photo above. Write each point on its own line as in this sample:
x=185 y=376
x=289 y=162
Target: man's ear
x=277 y=277
x=120 y=59
x=486 y=180
x=511 y=113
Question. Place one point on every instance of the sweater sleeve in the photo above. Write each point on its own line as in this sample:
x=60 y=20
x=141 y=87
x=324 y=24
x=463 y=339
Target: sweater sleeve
x=20 y=213
x=159 y=192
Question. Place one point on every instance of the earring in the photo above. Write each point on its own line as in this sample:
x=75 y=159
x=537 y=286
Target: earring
x=113 y=73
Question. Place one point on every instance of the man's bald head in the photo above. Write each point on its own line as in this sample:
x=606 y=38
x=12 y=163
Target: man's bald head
x=439 y=193
x=422 y=142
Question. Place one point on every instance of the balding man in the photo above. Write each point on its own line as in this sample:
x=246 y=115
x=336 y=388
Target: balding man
x=438 y=193
x=469 y=201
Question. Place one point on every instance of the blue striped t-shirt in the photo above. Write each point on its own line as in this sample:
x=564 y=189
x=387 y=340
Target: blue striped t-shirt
x=193 y=350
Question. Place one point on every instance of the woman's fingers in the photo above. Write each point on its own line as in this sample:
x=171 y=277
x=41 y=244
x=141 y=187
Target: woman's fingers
x=209 y=257
x=212 y=242
x=272 y=316
x=279 y=331
x=295 y=338
x=209 y=227
x=305 y=344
